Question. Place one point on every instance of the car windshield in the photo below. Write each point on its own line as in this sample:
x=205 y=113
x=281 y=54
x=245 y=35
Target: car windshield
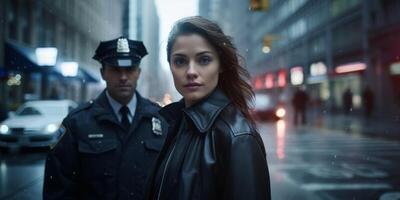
x=28 y=111
x=55 y=110
x=43 y=110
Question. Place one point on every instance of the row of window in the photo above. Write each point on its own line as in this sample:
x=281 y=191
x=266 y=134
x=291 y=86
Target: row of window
x=74 y=27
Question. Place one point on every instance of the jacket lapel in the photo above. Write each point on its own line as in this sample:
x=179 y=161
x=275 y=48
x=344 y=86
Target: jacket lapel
x=204 y=113
x=102 y=110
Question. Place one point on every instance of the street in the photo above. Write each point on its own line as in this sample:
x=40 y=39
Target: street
x=304 y=163
x=21 y=175
x=311 y=163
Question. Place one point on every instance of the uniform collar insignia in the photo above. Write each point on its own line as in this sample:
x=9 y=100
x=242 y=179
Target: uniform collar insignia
x=122 y=45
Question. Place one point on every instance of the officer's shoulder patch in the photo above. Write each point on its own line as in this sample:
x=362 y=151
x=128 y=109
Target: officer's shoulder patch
x=61 y=132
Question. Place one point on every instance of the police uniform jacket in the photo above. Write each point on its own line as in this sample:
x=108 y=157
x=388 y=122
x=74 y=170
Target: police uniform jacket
x=97 y=158
x=211 y=152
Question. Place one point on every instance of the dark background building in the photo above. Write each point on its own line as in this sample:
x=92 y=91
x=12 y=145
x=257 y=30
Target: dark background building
x=74 y=27
x=327 y=46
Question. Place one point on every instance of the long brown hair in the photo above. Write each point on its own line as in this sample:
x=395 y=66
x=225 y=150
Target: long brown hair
x=232 y=79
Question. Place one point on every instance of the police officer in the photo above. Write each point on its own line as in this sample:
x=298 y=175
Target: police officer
x=108 y=145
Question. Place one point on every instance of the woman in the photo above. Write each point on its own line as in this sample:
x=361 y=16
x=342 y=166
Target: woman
x=212 y=150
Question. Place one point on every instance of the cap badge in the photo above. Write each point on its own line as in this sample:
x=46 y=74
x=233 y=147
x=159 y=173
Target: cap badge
x=122 y=46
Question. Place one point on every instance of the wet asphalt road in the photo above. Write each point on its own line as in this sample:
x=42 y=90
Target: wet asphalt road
x=310 y=163
x=304 y=163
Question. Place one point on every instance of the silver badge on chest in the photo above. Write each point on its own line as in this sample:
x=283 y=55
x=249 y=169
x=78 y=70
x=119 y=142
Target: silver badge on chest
x=156 y=126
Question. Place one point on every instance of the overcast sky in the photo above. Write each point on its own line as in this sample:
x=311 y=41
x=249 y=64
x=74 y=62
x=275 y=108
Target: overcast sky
x=169 y=11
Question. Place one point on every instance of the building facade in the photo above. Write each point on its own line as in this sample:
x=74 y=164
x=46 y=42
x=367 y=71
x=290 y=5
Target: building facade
x=74 y=27
x=144 y=25
x=327 y=46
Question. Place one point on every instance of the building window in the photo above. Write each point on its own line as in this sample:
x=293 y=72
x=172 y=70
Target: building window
x=340 y=6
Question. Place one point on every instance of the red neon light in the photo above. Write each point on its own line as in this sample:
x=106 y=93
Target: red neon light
x=269 y=81
x=258 y=83
x=353 y=67
x=281 y=78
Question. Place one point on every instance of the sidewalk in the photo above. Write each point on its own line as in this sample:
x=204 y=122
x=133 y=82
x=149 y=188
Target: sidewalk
x=357 y=124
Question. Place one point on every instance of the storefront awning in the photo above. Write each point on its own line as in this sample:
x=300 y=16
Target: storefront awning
x=3 y=72
x=18 y=57
x=87 y=77
x=21 y=58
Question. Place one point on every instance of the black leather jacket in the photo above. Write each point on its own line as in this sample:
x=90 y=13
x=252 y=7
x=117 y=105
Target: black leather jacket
x=211 y=152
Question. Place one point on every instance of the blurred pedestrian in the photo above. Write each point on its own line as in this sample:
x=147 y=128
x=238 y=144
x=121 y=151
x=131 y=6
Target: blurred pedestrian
x=108 y=145
x=299 y=102
x=347 y=100
x=368 y=101
x=213 y=150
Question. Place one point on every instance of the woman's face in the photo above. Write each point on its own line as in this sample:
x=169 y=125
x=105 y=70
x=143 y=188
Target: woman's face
x=195 y=66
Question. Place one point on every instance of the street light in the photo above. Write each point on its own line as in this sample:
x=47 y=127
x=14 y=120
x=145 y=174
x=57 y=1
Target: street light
x=69 y=69
x=46 y=56
x=266 y=49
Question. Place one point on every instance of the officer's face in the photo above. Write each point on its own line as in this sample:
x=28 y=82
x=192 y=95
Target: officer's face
x=195 y=66
x=121 y=82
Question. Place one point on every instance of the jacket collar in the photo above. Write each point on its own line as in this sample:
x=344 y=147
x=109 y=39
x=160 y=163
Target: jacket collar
x=202 y=114
x=102 y=109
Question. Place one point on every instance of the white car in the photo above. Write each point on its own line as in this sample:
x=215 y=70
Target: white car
x=35 y=124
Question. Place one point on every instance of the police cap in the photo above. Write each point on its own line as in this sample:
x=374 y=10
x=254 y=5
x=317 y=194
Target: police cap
x=120 y=52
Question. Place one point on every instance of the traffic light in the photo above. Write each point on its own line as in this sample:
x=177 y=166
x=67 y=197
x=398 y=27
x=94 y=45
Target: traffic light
x=267 y=44
x=259 y=5
x=267 y=41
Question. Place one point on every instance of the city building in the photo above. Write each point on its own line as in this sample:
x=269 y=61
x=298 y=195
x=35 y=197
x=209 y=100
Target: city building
x=73 y=29
x=325 y=45
x=144 y=25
